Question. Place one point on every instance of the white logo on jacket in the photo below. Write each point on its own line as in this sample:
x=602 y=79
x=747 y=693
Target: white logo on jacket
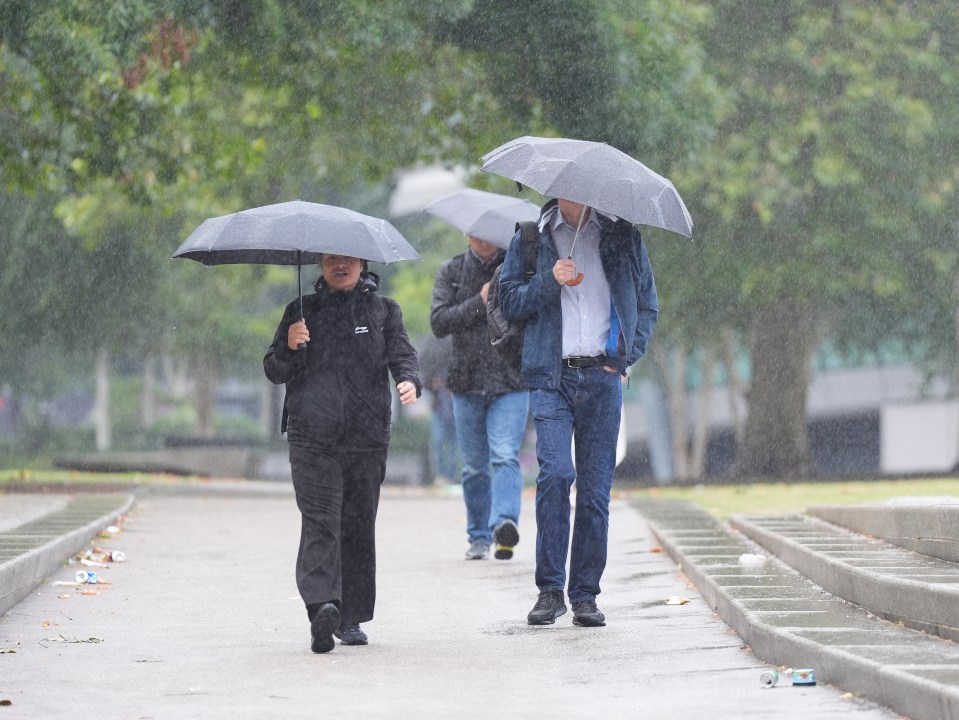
x=360 y=329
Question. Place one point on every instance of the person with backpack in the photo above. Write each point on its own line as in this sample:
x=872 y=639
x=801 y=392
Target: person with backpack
x=335 y=361
x=589 y=312
x=490 y=401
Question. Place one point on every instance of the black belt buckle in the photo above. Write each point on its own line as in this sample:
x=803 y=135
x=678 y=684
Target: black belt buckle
x=578 y=363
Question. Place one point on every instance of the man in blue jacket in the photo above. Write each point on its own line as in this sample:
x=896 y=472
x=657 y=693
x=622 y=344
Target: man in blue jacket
x=579 y=340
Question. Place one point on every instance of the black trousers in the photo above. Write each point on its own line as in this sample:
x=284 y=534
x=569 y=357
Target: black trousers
x=338 y=493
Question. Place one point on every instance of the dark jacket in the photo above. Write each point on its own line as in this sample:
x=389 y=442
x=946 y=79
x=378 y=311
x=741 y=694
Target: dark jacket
x=337 y=390
x=536 y=300
x=458 y=310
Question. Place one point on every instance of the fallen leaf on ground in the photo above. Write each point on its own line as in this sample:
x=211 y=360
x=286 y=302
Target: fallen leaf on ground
x=656 y=549
x=6 y=703
x=676 y=600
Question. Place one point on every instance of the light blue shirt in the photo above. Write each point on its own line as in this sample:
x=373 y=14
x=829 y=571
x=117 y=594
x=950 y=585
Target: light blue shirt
x=585 y=306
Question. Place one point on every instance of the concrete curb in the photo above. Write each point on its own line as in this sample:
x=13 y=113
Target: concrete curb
x=928 y=529
x=821 y=556
x=20 y=575
x=742 y=596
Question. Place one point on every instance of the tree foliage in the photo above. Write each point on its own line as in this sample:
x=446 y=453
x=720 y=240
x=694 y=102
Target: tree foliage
x=813 y=142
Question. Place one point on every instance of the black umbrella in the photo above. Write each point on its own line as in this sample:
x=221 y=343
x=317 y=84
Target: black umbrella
x=292 y=233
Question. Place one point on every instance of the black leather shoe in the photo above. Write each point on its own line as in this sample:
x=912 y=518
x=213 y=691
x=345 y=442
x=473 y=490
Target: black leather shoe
x=506 y=536
x=586 y=614
x=324 y=624
x=352 y=635
x=549 y=606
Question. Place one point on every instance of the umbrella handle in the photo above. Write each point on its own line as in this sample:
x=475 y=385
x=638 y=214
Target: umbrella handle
x=299 y=291
x=579 y=278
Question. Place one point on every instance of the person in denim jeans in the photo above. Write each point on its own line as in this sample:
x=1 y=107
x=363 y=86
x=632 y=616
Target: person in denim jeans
x=434 y=366
x=579 y=340
x=490 y=401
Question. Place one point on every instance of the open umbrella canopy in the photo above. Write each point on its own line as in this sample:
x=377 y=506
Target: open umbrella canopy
x=292 y=233
x=484 y=215
x=594 y=174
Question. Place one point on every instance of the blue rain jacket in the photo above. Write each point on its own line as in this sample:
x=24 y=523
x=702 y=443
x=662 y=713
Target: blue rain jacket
x=536 y=301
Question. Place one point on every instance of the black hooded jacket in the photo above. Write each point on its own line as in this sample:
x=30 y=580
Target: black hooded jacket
x=458 y=310
x=338 y=393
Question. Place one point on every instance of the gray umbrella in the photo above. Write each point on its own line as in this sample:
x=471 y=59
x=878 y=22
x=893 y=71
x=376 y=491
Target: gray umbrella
x=484 y=215
x=594 y=174
x=293 y=233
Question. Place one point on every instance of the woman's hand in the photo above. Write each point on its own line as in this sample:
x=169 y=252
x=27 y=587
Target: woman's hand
x=407 y=391
x=297 y=334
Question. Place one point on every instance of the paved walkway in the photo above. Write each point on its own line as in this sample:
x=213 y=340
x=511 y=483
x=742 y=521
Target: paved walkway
x=203 y=620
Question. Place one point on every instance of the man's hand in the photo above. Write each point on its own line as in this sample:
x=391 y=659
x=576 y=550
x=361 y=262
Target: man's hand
x=614 y=371
x=407 y=391
x=484 y=292
x=297 y=334
x=564 y=271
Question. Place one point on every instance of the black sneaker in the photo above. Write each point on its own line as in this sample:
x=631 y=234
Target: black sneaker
x=477 y=551
x=324 y=624
x=586 y=614
x=351 y=635
x=549 y=606
x=506 y=537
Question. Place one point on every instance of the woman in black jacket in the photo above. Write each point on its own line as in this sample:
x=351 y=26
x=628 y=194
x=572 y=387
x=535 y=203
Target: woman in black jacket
x=337 y=421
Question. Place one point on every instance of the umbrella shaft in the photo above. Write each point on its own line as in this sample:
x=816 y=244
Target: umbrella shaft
x=576 y=236
x=299 y=281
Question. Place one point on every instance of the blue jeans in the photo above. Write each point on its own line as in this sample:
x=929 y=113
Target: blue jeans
x=443 y=446
x=586 y=406
x=490 y=429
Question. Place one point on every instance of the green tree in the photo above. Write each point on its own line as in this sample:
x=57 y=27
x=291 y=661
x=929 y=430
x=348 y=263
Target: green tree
x=821 y=170
x=147 y=118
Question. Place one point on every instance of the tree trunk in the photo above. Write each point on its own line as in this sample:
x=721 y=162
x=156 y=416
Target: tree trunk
x=700 y=442
x=956 y=319
x=101 y=403
x=956 y=339
x=176 y=376
x=735 y=386
x=148 y=412
x=677 y=413
x=776 y=442
x=205 y=376
x=271 y=409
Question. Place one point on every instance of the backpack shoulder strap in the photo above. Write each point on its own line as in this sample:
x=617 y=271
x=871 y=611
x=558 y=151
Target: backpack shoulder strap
x=530 y=242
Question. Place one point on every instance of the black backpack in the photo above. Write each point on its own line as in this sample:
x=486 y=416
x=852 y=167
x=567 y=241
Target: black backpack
x=506 y=336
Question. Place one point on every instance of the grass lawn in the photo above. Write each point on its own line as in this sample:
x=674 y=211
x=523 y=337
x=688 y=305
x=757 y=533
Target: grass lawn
x=718 y=500
x=781 y=498
x=23 y=476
